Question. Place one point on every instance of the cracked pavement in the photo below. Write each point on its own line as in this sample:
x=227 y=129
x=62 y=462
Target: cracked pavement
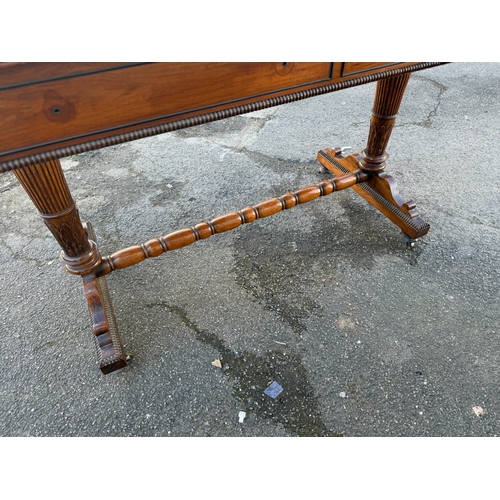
x=366 y=336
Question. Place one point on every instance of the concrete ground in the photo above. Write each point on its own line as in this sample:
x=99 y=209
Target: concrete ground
x=365 y=336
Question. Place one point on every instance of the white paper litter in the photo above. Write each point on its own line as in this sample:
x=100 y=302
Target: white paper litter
x=478 y=411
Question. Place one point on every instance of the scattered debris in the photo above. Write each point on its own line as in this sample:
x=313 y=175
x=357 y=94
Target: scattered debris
x=478 y=411
x=217 y=363
x=280 y=343
x=241 y=416
x=342 y=394
x=274 y=390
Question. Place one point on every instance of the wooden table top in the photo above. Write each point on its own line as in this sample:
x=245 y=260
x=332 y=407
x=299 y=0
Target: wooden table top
x=52 y=110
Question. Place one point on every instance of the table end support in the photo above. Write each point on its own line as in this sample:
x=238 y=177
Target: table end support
x=381 y=191
x=47 y=188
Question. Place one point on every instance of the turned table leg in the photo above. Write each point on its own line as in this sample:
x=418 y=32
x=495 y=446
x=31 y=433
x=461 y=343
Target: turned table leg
x=381 y=189
x=46 y=186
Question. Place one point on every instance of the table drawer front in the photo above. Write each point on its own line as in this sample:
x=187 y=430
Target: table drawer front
x=357 y=69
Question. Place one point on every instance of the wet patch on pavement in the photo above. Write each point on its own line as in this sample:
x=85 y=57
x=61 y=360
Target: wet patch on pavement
x=296 y=408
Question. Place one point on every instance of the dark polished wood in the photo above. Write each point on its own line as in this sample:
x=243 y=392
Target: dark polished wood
x=49 y=192
x=52 y=110
x=388 y=97
x=110 y=352
x=381 y=190
x=47 y=188
x=55 y=110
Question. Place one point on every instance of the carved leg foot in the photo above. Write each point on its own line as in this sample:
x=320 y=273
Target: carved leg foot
x=110 y=352
x=380 y=191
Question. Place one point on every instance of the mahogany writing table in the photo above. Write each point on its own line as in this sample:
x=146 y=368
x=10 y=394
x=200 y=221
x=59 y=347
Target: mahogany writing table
x=52 y=110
